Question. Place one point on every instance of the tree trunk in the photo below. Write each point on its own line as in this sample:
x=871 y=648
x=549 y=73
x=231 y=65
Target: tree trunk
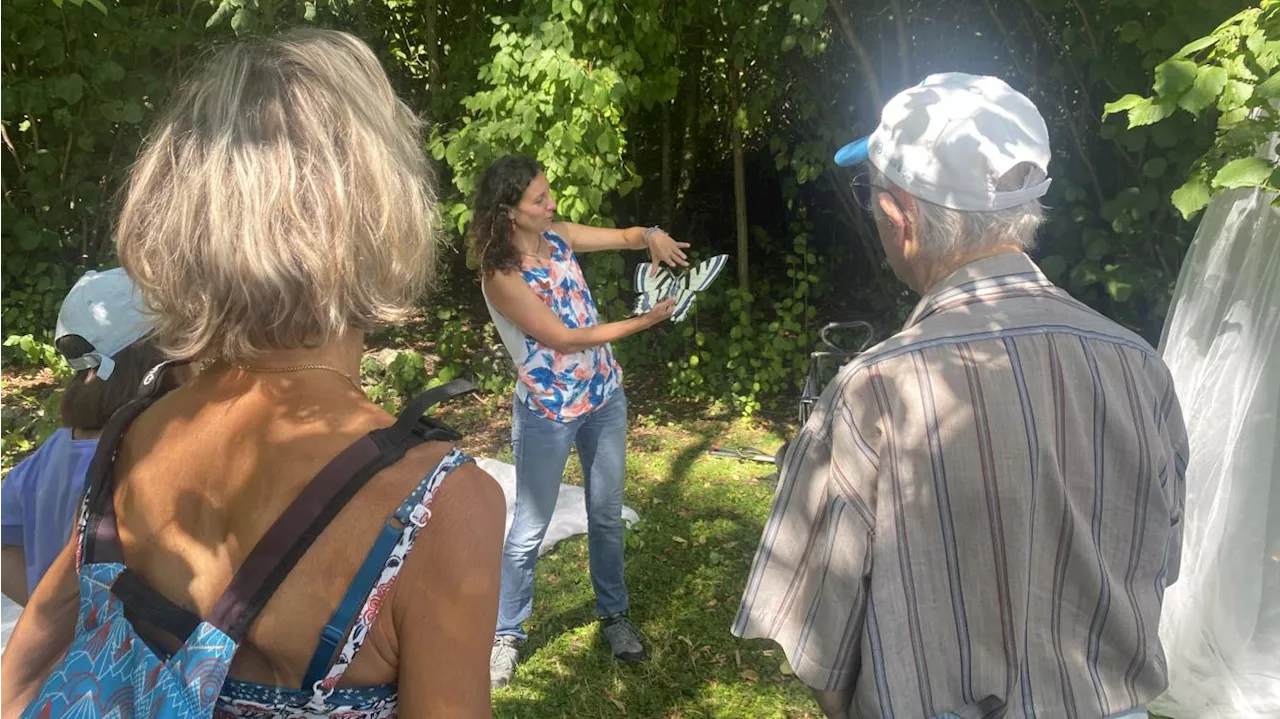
x=864 y=60
x=430 y=11
x=668 y=185
x=904 y=50
x=739 y=178
x=688 y=132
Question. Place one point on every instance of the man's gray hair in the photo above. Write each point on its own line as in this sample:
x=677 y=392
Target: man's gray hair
x=945 y=232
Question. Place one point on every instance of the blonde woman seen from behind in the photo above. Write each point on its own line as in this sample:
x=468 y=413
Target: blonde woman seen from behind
x=281 y=208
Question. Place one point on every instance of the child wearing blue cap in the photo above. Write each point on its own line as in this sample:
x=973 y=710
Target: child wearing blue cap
x=101 y=331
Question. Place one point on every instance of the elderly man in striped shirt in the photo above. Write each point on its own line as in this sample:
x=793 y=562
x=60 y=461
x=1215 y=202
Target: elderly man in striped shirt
x=982 y=513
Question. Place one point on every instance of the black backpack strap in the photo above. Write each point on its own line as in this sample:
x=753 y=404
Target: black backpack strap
x=100 y=540
x=412 y=419
x=293 y=533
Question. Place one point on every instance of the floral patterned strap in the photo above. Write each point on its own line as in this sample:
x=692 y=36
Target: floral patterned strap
x=412 y=515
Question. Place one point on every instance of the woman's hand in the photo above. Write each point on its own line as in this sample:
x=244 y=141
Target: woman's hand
x=661 y=312
x=664 y=250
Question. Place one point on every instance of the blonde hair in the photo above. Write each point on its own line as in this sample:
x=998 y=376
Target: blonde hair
x=283 y=200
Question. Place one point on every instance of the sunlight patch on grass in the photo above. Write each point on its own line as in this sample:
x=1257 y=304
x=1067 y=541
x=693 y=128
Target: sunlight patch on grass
x=687 y=562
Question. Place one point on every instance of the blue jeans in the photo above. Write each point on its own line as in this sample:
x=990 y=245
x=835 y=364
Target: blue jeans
x=541 y=448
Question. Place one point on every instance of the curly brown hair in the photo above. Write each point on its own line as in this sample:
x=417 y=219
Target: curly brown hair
x=500 y=190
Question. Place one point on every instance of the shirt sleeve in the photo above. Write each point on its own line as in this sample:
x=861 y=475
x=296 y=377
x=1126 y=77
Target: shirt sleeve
x=808 y=585
x=1175 y=484
x=13 y=503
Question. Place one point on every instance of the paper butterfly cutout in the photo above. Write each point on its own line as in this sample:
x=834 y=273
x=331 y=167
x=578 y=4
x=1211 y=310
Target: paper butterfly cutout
x=682 y=287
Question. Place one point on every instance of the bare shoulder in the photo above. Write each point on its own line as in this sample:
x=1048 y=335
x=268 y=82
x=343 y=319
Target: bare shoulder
x=469 y=495
x=467 y=505
x=505 y=284
x=459 y=551
x=566 y=230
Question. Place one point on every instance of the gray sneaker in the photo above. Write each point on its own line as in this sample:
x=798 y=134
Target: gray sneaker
x=625 y=640
x=502 y=660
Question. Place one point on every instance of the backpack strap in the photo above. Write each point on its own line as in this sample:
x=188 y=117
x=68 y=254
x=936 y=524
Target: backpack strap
x=411 y=419
x=370 y=571
x=293 y=533
x=99 y=538
x=410 y=517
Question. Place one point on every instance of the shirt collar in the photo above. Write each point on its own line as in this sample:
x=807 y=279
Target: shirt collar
x=996 y=268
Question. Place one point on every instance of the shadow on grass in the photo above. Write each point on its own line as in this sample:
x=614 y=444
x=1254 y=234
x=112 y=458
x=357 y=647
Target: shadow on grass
x=686 y=566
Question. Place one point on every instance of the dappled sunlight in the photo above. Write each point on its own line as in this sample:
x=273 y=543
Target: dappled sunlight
x=687 y=561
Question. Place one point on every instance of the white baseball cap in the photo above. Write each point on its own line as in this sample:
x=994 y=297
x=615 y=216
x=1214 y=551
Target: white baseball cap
x=104 y=309
x=951 y=138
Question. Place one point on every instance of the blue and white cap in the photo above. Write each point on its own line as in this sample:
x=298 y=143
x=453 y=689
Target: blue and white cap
x=950 y=139
x=104 y=308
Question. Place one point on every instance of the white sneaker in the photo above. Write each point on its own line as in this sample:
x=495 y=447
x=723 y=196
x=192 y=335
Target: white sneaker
x=502 y=660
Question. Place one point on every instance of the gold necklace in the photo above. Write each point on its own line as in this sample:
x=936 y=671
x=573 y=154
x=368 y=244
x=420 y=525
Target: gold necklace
x=298 y=368
x=537 y=254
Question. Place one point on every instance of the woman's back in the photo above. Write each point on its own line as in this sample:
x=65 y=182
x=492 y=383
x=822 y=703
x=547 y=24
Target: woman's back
x=282 y=208
x=205 y=472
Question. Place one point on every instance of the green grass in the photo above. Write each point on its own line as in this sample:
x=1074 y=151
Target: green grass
x=687 y=562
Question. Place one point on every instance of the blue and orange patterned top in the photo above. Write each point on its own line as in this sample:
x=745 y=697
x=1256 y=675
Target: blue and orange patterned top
x=552 y=384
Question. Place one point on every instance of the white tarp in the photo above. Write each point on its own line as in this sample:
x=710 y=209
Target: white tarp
x=569 y=519
x=1221 y=621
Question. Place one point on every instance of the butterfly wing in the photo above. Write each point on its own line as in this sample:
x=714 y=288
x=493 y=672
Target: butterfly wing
x=701 y=276
x=684 y=301
x=651 y=288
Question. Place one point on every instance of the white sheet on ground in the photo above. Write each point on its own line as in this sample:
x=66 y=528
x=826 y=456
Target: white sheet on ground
x=569 y=519
x=1221 y=621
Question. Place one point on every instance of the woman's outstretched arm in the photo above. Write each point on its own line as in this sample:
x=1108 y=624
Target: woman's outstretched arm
x=585 y=238
x=516 y=301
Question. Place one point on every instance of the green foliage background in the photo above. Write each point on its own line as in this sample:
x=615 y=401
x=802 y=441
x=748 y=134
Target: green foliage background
x=632 y=107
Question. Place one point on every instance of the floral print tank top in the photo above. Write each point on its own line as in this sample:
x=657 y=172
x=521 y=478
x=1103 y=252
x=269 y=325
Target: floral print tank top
x=552 y=384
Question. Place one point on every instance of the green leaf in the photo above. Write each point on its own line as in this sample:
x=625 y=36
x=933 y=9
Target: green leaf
x=1148 y=112
x=1174 y=77
x=1195 y=45
x=107 y=72
x=1191 y=197
x=1270 y=88
x=69 y=87
x=1119 y=290
x=1231 y=118
x=1245 y=172
x=1235 y=94
x=1154 y=167
x=1208 y=85
x=1084 y=275
x=132 y=113
x=1165 y=136
x=1128 y=102
x=98 y=4
x=1053 y=266
x=1131 y=31
x=1097 y=249
x=239 y=21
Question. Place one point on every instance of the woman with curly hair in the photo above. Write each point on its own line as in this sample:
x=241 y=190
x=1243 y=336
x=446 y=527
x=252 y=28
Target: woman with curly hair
x=568 y=391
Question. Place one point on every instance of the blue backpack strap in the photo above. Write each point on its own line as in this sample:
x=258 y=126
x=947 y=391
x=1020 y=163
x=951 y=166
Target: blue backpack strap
x=336 y=629
x=409 y=425
x=297 y=529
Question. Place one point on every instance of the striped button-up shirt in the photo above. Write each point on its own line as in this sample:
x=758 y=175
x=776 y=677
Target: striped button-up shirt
x=982 y=512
